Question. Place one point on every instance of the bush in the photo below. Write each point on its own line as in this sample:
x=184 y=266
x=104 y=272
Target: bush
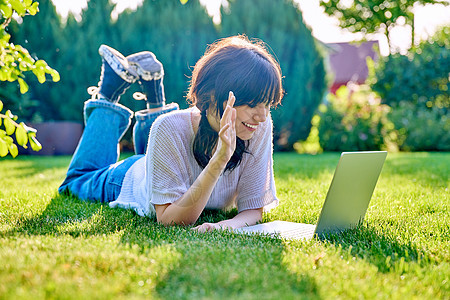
x=421 y=129
x=417 y=86
x=421 y=77
x=354 y=120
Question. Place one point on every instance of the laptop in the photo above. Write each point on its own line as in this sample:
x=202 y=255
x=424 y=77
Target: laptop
x=345 y=205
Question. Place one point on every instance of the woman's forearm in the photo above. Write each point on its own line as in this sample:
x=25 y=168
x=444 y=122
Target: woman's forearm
x=188 y=208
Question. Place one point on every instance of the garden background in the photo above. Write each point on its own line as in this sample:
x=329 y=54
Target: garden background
x=402 y=93
x=59 y=247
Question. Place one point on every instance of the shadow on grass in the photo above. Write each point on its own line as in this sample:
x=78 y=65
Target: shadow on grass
x=68 y=215
x=212 y=265
x=217 y=264
x=383 y=250
x=222 y=264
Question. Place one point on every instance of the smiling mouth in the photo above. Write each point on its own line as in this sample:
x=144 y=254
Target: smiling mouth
x=250 y=126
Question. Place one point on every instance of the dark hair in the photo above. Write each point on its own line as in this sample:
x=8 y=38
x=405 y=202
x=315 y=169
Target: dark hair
x=235 y=64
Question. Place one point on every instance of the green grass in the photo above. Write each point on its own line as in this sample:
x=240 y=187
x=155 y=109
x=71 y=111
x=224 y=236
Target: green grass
x=54 y=246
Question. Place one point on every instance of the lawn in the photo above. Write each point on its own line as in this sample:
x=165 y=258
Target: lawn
x=54 y=246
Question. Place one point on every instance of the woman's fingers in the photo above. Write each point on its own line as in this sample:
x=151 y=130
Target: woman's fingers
x=231 y=99
x=227 y=115
x=203 y=227
x=230 y=107
x=207 y=227
x=227 y=132
x=226 y=135
x=224 y=129
x=233 y=118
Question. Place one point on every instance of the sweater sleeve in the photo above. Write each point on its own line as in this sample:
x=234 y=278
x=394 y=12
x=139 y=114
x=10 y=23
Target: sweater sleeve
x=167 y=174
x=256 y=187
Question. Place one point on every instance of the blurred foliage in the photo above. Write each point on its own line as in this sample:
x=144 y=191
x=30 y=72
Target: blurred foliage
x=312 y=143
x=375 y=16
x=409 y=110
x=300 y=59
x=178 y=34
x=420 y=78
x=354 y=120
x=421 y=128
x=64 y=45
x=15 y=62
x=416 y=86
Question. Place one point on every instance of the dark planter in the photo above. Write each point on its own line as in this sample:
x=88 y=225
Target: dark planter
x=56 y=138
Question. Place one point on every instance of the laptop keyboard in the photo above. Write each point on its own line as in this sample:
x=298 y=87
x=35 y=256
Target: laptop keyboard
x=297 y=233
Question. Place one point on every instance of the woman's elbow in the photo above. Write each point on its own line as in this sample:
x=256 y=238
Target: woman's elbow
x=172 y=222
x=161 y=215
x=259 y=214
x=165 y=216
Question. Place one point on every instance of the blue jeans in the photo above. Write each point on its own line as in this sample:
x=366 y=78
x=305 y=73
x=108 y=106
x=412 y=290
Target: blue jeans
x=94 y=173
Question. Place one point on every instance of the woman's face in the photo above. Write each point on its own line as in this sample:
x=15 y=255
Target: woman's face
x=247 y=120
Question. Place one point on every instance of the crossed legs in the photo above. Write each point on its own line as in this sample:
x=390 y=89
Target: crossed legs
x=95 y=174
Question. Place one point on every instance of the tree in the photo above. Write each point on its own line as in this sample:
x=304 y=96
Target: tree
x=300 y=60
x=375 y=16
x=421 y=78
x=177 y=34
x=80 y=58
x=42 y=36
x=15 y=61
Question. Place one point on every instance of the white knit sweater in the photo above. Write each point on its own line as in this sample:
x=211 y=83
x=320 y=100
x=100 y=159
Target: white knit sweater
x=169 y=169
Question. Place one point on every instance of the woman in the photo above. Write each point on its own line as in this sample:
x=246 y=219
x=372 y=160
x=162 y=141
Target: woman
x=216 y=154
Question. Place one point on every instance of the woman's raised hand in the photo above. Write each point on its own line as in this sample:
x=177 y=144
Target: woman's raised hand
x=227 y=133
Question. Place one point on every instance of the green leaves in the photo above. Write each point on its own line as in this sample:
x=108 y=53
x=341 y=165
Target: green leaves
x=369 y=17
x=23 y=86
x=6 y=10
x=39 y=70
x=15 y=60
x=13 y=149
x=34 y=143
x=9 y=123
x=23 y=134
x=21 y=7
x=7 y=145
x=33 y=9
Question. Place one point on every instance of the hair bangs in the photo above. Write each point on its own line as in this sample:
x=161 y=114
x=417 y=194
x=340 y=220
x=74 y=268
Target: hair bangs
x=256 y=81
x=262 y=86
